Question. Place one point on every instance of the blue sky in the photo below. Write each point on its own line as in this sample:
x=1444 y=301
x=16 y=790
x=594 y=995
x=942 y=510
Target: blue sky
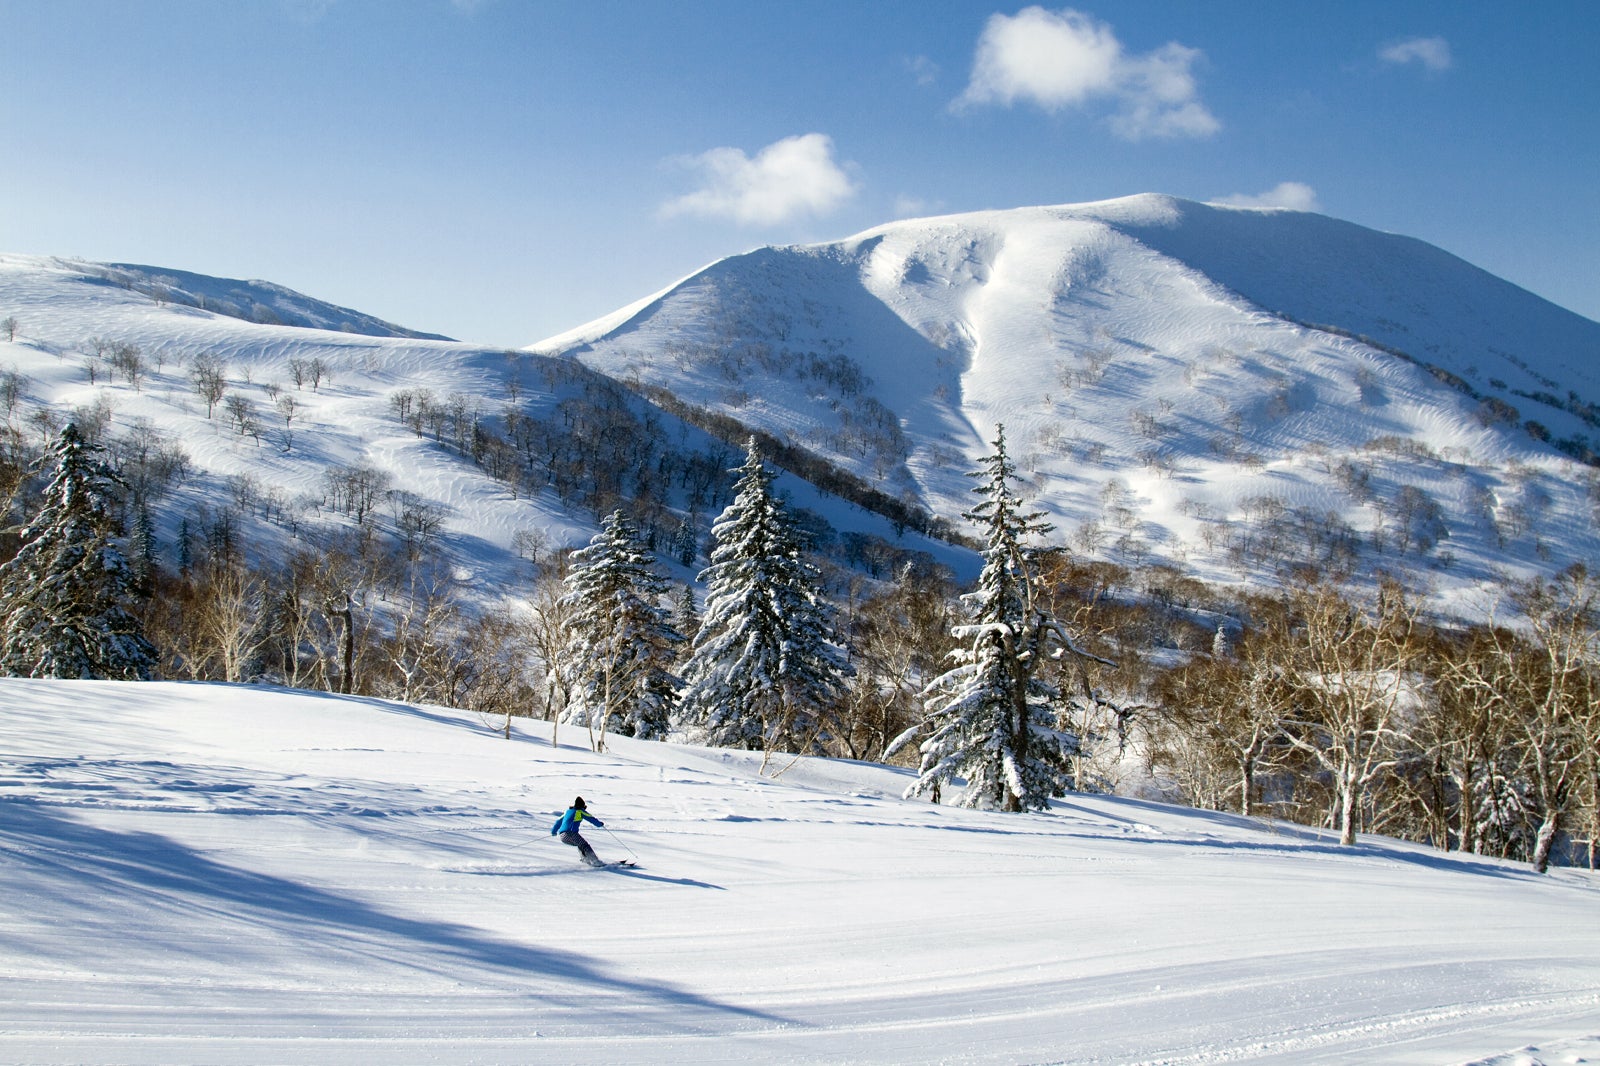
x=502 y=170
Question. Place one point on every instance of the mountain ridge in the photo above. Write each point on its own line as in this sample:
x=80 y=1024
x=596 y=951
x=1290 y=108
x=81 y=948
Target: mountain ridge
x=257 y=301
x=1158 y=413
x=1137 y=345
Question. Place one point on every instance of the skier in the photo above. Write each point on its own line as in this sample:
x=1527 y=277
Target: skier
x=566 y=829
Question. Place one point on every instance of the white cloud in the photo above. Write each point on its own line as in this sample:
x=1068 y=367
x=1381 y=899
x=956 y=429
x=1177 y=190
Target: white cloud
x=787 y=179
x=1052 y=60
x=1432 y=52
x=1065 y=59
x=1295 y=195
x=1160 y=98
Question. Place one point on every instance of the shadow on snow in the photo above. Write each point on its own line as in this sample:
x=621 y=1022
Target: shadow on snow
x=134 y=879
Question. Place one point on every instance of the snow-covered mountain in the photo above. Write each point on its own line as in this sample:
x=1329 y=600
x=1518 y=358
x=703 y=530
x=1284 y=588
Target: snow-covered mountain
x=1234 y=390
x=239 y=874
x=497 y=454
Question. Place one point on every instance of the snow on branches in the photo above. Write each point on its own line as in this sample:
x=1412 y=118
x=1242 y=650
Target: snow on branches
x=765 y=669
x=622 y=641
x=68 y=604
x=994 y=715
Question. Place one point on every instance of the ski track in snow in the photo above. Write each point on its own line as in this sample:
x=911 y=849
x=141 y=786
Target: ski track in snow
x=205 y=873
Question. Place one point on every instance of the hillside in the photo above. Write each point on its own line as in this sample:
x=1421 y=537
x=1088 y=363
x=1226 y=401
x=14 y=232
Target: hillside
x=331 y=422
x=1233 y=391
x=204 y=873
x=1237 y=393
x=252 y=301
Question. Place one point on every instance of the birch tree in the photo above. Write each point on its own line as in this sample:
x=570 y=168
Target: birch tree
x=1352 y=670
x=1558 y=687
x=1231 y=710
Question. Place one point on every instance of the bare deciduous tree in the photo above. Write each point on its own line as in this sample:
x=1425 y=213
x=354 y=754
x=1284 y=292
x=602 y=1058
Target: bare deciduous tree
x=898 y=640
x=1352 y=670
x=1228 y=712
x=208 y=375
x=1557 y=689
x=547 y=634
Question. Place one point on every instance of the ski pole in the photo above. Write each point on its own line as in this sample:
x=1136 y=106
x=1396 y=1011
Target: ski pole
x=524 y=844
x=624 y=843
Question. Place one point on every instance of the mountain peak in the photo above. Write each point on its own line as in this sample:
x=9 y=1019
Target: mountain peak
x=1158 y=363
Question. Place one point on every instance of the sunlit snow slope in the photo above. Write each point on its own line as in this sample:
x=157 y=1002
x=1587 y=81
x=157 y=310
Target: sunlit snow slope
x=203 y=873
x=1168 y=374
x=276 y=478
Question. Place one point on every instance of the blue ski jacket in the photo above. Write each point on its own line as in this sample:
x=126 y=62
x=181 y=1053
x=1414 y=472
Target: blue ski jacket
x=568 y=823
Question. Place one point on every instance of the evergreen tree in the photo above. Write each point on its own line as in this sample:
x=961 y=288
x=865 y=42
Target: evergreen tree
x=142 y=551
x=185 y=546
x=622 y=640
x=685 y=544
x=764 y=672
x=68 y=607
x=686 y=616
x=994 y=715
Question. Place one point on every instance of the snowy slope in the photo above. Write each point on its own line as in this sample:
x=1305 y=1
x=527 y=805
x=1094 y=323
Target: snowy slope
x=277 y=478
x=199 y=873
x=1156 y=366
x=252 y=301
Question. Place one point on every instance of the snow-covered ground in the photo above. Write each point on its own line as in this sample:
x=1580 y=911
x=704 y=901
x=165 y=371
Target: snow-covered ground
x=204 y=873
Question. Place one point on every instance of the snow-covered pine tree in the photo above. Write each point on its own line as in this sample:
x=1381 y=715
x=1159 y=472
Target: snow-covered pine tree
x=622 y=643
x=686 y=615
x=142 y=551
x=993 y=716
x=68 y=607
x=684 y=542
x=764 y=672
